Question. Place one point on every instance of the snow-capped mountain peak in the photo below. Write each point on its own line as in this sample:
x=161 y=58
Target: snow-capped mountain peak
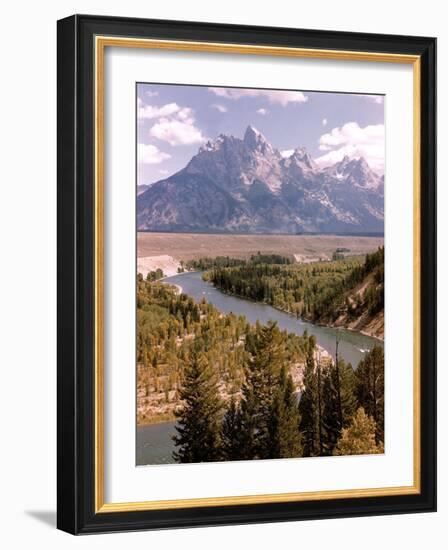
x=355 y=171
x=235 y=184
x=301 y=155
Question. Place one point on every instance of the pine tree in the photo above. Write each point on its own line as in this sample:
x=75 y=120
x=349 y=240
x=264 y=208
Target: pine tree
x=285 y=437
x=330 y=420
x=320 y=406
x=347 y=386
x=263 y=370
x=338 y=382
x=346 y=399
x=359 y=437
x=308 y=406
x=249 y=425
x=231 y=432
x=370 y=388
x=198 y=421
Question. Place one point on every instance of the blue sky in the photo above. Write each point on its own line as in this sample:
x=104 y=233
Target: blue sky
x=173 y=121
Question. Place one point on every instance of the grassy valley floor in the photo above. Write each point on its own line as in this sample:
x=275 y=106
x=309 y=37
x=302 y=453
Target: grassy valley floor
x=306 y=248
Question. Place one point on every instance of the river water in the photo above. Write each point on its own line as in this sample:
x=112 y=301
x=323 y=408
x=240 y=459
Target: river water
x=154 y=443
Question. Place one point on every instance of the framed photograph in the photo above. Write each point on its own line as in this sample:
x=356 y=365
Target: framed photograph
x=246 y=274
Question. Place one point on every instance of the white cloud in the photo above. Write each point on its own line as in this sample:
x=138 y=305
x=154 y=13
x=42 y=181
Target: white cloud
x=324 y=122
x=150 y=93
x=177 y=132
x=174 y=124
x=163 y=172
x=274 y=96
x=262 y=111
x=354 y=141
x=286 y=153
x=351 y=132
x=150 y=154
x=186 y=115
x=145 y=111
x=220 y=108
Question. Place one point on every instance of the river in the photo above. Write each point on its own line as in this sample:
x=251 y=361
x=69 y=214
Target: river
x=154 y=443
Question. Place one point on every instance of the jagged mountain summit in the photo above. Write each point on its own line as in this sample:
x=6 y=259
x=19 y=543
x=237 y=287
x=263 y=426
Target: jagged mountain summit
x=247 y=186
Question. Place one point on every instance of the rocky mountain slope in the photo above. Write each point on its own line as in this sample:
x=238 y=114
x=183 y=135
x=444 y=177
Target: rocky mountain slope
x=245 y=185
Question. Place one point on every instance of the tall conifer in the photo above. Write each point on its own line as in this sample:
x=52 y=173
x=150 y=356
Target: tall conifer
x=198 y=420
x=231 y=432
x=308 y=406
x=285 y=437
x=370 y=388
x=262 y=374
x=346 y=398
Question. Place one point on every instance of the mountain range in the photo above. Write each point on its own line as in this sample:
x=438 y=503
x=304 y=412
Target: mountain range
x=246 y=186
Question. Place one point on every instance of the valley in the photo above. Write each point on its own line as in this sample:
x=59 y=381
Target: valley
x=166 y=341
x=306 y=248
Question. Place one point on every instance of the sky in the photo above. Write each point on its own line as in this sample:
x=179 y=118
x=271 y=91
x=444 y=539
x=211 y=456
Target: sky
x=173 y=121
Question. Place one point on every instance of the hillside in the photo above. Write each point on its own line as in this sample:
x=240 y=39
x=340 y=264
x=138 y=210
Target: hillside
x=360 y=306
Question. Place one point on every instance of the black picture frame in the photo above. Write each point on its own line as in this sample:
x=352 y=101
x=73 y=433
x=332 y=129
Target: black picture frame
x=76 y=256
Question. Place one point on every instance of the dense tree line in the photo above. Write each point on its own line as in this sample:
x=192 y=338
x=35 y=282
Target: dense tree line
x=319 y=291
x=204 y=264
